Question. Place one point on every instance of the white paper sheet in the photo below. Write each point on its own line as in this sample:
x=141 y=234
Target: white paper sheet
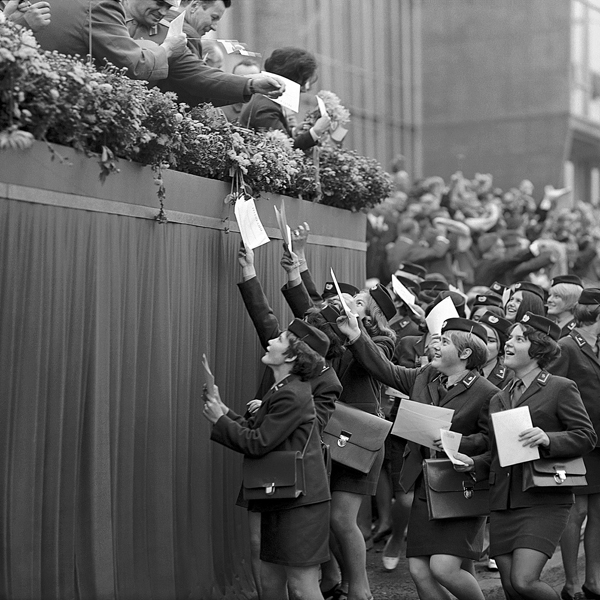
x=291 y=96
x=284 y=228
x=508 y=424
x=209 y=379
x=422 y=427
x=405 y=295
x=176 y=25
x=440 y=313
x=451 y=444
x=340 y=295
x=321 y=105
x=252 y=230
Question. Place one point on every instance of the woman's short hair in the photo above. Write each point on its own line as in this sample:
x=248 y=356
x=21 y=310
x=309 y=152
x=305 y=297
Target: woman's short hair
x=375 y=322
x=531 y=303
x=308 y=363
x=569 y=292
x=314 y=317
x=294 y=63
x=586 y=314
x=464 y=340
x=543 y=348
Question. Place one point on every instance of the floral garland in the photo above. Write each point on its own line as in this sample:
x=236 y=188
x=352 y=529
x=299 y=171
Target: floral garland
x=58 y=99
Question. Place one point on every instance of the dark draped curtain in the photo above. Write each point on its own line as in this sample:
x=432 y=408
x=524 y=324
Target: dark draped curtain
x=110 y=486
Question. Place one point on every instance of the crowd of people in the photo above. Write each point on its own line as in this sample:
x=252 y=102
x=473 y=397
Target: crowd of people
x=522 y=276
x=510 y=346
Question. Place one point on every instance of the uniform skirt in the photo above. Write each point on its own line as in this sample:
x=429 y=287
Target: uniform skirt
x=536 y=527
x=592 y=465
x=456 y=537
x=345 y=479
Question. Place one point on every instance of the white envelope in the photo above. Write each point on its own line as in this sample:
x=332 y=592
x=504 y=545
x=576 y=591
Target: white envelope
x=403 y=293
x=291 y=96
x=418 y=428
x=451 y=444
x=429 y=410
x=508 y=424
x=252 y=230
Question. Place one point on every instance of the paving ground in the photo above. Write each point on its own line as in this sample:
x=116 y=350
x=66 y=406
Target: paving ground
x=399 y=586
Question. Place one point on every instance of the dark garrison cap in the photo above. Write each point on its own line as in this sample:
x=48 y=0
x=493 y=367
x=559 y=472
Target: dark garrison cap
x=570 y=279
x=310 y=335
x=542 y=324
x=495 y=322
x=458 y=324
x=590 y=296
x=346 y=288
x=527 y=286
x=383 y=300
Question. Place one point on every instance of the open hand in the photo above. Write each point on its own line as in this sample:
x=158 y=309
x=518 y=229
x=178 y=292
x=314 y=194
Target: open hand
x=534 y=437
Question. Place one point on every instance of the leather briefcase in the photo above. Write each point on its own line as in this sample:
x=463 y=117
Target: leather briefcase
x=453 y=495
x=554 y=473
x=278 y=474
x=355 y=437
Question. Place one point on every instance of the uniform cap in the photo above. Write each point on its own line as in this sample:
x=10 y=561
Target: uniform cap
x=500 y=324
x=458 y=324
x=590 y=296
x=346 y=288
x=487 y=300
x=542 y=324
x=383 y=300
x=570 y=279
x=413 y=269
x=527 y=286
x=310 y=335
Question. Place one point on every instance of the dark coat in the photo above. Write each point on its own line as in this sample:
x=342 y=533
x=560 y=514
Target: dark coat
x=579 y=363
x=501 y=376
x=68 y=33
x=262 y=114
x=410 y=350
x=326 y=387
x=189 y=77
x=283 y=422
x=469 y=398
x=556 y=408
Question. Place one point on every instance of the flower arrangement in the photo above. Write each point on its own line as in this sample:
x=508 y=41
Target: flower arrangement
x=101 y=112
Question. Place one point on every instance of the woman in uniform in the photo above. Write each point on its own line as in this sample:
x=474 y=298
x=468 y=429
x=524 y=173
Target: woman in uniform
x=579 y=362
x=563 y=296
x=436 y=549
x=526 y=297
x=526 y=525
x=294 y=531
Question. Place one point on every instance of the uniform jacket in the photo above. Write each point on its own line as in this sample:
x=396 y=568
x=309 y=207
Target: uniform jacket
x=579 y=363
x=326 y=387
x=501 y=376
x=410 y=351
x=68 y=33
x=556 y=408
x=193 y=81
x=469 y=398
x=402 y=327
x=261 y=113
x=566 y=330
x=283 y=422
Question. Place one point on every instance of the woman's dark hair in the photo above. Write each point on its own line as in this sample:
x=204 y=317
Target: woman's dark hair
x=586 y=314
x=308 y=363
x=531 y=302
x=314 y=317
x=294 y=63
x=543 y=348
x=495 y=310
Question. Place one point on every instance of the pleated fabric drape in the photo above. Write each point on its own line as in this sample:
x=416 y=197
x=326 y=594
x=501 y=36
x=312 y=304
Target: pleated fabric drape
x=109 y=484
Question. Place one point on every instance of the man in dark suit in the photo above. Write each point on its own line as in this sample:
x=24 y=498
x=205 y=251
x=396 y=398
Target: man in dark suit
x=128 y=42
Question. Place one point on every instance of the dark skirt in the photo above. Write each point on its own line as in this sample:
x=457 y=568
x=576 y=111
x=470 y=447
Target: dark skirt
x=298 y=537
x=536 y=527
x=455 y=537
x=345 y=479
x=592 y=465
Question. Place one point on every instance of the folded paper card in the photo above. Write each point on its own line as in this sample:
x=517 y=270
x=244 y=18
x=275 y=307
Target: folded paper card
x=209 y=380
x=440 y=313
x=291 y=96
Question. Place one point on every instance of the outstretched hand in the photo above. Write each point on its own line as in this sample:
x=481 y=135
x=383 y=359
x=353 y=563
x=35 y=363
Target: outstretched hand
x=348 y=325
x=246 y=257
x=300 y=237
x=289 y=260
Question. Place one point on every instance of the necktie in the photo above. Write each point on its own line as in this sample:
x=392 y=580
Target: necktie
x=442 y=389
x=516 y=392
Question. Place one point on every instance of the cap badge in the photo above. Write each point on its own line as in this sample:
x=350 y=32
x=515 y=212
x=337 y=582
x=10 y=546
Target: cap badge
x=480 y=298
x=492 y=319
x=517 y=285
x=525 y=318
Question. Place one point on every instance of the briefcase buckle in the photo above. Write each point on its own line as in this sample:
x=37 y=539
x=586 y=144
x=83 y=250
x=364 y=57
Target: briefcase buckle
x=468 y=489
x=560 y=476
x=270 y=489
x=343 y=439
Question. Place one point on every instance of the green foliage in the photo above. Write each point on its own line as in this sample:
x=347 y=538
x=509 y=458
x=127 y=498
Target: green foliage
x=63 y=100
